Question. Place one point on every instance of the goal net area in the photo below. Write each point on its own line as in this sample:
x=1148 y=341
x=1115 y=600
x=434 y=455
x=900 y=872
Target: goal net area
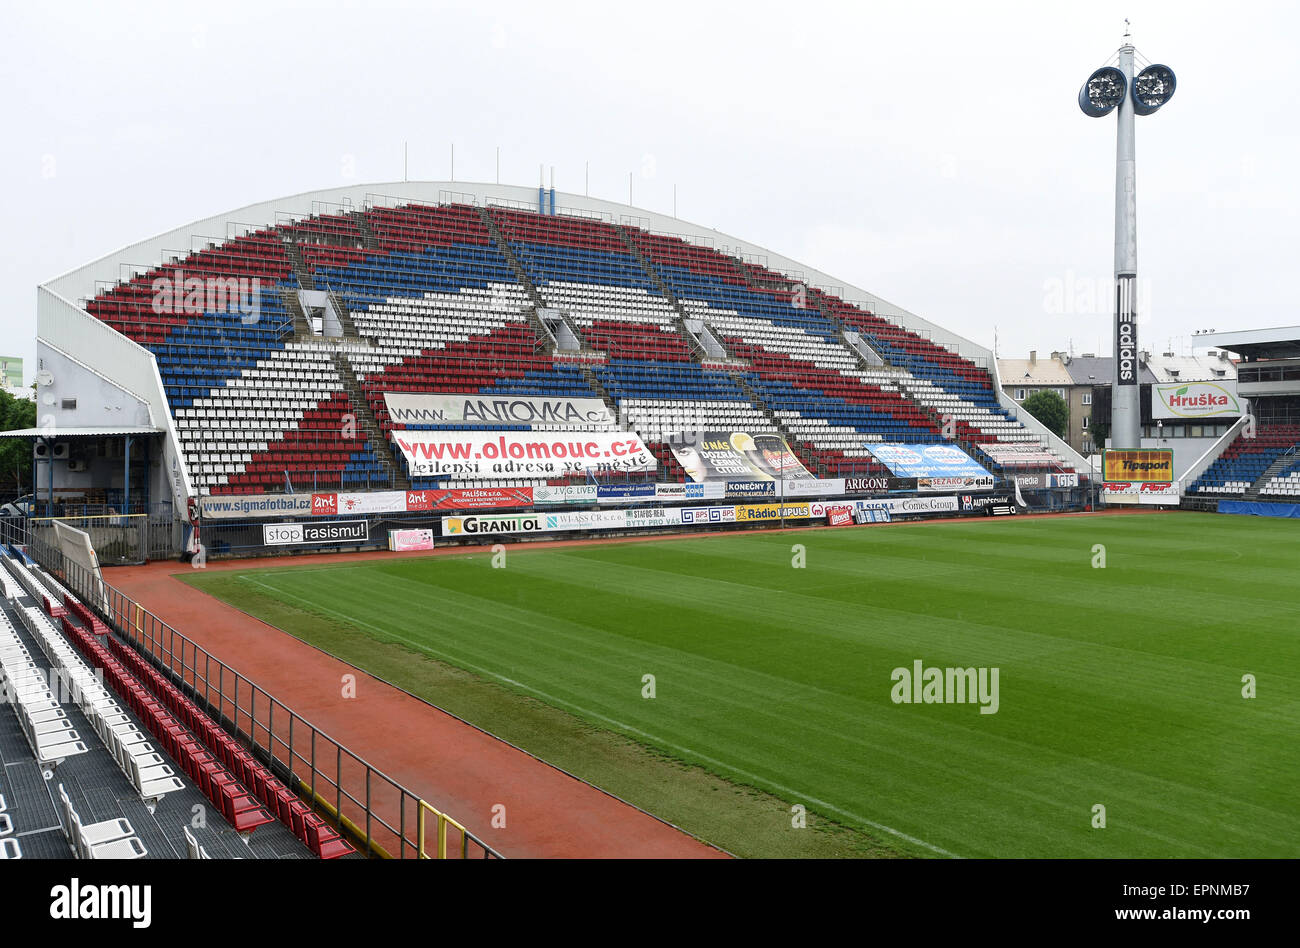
x=120 y=540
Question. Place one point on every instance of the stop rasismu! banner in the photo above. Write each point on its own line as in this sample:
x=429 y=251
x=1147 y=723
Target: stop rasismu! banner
x=478 y=455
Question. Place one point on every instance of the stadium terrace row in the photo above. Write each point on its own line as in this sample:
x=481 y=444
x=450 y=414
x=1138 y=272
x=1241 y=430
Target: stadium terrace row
x=133 y=754
x=451 y=298
x=1270 y=450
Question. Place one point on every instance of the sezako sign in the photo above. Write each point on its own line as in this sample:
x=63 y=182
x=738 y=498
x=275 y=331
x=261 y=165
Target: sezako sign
x=1195 y=400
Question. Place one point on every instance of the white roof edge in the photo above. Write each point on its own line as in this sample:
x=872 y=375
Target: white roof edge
x=80 y=281
x=83 y=431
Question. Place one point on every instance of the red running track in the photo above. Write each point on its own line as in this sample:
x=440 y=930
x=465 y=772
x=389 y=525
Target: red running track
x=456 y=767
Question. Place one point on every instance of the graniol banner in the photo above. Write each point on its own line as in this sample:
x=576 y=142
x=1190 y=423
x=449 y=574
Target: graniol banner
x=1195 y=400
x=484 y=455
x=489 y=524
x=738 y=456
x=435 y=408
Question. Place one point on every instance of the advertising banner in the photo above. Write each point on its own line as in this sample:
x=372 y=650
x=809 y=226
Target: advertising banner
x=937 y=485
x=703 y=516
x=375 y=502
x=750 y=488
x=439 y=409
x=1136 y=493
x=1062 y=480
x=402 y=541
x=818 y=487
x=565 y=494
x=1145 y=488
x=738 y=456
x=868 y=485
x=910 y=505
x=751 y=513
x=473 y=498
x=1139 y=465
x=484 y=455
x=619 y=493
x=1190 y=400
x=235 y=507
x=927 y=460
x=489 y=524
x=336 y=531
x=839 y=516
x=979 y=502
x=711 y=490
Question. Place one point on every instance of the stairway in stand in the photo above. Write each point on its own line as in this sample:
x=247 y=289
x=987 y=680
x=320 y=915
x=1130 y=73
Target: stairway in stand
x=367 y=423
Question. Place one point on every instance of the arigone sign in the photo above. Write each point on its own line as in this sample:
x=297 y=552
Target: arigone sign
x=444 y=409
x=1190 y=400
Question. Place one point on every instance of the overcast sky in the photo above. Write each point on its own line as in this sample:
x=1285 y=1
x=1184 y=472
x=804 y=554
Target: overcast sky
x=932 y=153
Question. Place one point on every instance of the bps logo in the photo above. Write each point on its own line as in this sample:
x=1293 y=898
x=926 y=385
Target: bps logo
x=324 y=505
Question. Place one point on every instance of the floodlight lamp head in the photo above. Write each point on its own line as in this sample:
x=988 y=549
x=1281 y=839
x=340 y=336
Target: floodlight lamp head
x=1152 y=88
x=1103 y=91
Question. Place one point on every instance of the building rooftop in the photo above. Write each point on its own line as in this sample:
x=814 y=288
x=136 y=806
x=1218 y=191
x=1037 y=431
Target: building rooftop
x=1034 y=371
x=1100 y=370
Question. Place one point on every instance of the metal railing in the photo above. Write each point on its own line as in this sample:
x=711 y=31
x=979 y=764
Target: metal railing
x=383 y=817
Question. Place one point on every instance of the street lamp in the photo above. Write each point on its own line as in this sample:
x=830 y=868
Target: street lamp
x=1108 y=89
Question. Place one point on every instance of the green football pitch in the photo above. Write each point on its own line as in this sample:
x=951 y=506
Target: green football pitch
x=1146 y=664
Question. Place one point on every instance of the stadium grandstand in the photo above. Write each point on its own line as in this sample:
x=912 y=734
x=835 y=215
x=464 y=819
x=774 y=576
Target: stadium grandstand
x=1255 y=467
x=265 y=361
x=282 y=378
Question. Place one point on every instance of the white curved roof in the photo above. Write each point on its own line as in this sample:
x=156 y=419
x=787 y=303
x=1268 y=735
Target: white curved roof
x=87 y=281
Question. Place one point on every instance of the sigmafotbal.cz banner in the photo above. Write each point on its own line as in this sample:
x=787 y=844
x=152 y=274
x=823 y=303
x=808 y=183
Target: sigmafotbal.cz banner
x=475 y=455
x=438 y=409
x=738 y=456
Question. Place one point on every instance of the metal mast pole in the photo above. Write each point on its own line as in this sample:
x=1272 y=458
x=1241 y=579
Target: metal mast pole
x=1126 y=405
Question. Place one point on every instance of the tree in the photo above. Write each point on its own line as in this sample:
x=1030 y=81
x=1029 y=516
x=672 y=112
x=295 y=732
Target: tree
x=1050 y=409
x=15 y=453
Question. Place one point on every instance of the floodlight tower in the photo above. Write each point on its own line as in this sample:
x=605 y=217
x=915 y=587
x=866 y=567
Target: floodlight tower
x=1107 y=88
